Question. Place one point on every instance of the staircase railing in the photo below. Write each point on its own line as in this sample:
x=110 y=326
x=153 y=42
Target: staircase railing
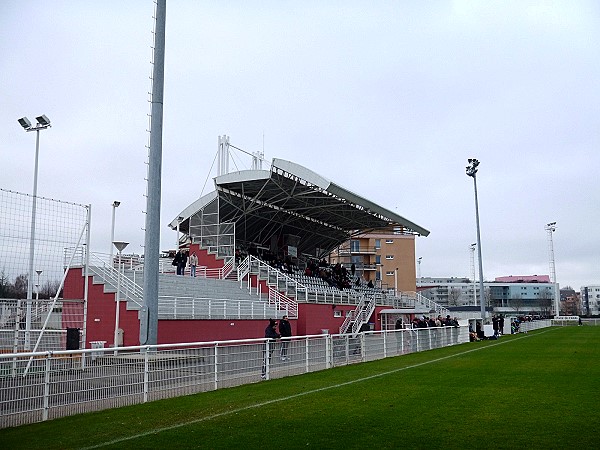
x=275 y=296
x=246 y=267
x=283 y=303
x=359 y=316
x=129 y=290
x=433 y=306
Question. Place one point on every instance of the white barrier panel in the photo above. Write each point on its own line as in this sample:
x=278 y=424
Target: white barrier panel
x=47 y=385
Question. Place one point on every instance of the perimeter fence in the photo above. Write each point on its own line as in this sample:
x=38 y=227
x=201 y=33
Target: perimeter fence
x=46 y=385
x=39 y=238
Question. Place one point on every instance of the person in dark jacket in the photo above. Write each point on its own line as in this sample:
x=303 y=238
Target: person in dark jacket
x=285 y=330
x=271 y=334
x=182 y=262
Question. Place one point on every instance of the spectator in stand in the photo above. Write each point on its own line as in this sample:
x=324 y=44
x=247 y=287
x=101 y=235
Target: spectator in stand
x=177 y=261
x=370 y=284
x=182 y=262
x=285 y=330
x=193 y=264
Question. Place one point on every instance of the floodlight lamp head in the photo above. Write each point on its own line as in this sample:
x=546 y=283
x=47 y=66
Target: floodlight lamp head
x=120 y=245
x=116 y=203
x=43 y=120
x=25 y=123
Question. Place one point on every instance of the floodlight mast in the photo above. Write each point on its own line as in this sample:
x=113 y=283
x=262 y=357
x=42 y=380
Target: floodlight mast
x=551 y=228
x=473 y=247
x=42 y=123
x=149 y=312
x=472 y=172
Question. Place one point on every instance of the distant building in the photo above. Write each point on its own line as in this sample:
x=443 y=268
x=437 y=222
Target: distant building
x=570 y=302
x=507 y=295
x=590 y=300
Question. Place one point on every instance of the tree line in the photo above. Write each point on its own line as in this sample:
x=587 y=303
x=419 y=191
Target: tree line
x=17 y=289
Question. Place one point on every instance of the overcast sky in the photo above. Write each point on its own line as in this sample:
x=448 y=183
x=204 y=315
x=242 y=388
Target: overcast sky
x=387 y=98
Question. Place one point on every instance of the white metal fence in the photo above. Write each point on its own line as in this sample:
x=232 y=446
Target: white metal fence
x=47 y=385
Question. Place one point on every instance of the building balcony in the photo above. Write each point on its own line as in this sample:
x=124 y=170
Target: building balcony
x=358 y=251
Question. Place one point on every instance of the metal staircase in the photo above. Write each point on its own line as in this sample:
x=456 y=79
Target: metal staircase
x=358 y=317
x=282 y=288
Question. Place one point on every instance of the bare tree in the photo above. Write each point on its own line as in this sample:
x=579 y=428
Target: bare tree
x=49 y=289
x=20 y=286
x=454 y=297
x=516 y=302
x=546 y=302
x=487 y=294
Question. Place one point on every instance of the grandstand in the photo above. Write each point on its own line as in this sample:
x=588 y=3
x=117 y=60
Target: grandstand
x=254 y=236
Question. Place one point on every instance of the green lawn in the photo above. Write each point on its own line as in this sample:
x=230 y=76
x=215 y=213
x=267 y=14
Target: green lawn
x=536 y=390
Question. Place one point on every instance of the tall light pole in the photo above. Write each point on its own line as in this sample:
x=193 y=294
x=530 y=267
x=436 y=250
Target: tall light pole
x=473 y=246
x=115 y=205
x=42 y=123
x=551 y=228
x=419 y=269
x=120 y=247
x=37 y=291
x=472 y=172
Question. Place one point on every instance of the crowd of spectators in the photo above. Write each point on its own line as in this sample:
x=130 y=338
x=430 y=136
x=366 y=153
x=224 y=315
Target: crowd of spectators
x=431 y=322
x=335 y=275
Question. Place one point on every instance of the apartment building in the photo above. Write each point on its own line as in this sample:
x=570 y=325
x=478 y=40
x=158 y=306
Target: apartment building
x=590 y=300
x=384 y=257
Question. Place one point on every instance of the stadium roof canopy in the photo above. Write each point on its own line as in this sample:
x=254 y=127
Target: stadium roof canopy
x=292 y=200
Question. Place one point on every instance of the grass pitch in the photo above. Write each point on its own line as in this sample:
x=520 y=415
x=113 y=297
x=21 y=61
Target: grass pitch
x=528 y=391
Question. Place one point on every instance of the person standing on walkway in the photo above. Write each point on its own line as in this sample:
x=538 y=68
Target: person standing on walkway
x=285 y=330
x=176 y=262
x=271 y=334
x=193 y=264
x=182 y=262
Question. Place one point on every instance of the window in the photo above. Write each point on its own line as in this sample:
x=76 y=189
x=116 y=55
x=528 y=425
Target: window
x=389 y=256
x=337 y=313
x=389 y=272
x=377 y=259
x=354 y=246
x=377 y=244
x=389 y=241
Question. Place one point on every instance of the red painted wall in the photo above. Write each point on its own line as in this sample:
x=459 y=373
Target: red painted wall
x=176 y=331
x=101 y=312
x=206 y=259
x=314 y=318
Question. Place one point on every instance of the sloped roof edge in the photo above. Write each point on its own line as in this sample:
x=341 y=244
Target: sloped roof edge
x=193 y=208
x=342 y=192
